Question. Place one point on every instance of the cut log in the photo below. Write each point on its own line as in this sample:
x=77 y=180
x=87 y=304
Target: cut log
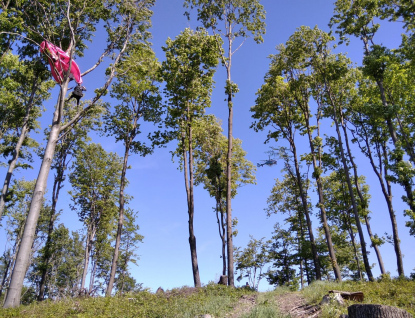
x=376 y=311
x=356 y=296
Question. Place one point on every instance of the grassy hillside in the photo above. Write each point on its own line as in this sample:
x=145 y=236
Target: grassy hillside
x=218 y=301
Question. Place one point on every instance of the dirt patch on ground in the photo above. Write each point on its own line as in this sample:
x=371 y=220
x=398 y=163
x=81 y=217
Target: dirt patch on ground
x=245 y=304
x=296 y=306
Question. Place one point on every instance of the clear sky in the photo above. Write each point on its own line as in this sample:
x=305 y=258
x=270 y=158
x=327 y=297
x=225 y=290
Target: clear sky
x=158 y=186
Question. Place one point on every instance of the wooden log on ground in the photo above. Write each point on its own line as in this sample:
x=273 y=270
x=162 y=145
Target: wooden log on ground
x=355 y=296
x=376 y=311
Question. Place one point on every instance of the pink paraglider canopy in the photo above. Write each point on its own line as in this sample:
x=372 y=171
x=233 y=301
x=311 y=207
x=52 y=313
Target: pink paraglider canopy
x=59 y=62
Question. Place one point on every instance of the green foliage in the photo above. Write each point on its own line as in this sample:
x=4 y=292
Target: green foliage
x=240 y=18
x=137 y=91
x=251 y=261
x=190 y=64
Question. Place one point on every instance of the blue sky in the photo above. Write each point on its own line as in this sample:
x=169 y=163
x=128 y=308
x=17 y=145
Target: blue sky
x=158 y=186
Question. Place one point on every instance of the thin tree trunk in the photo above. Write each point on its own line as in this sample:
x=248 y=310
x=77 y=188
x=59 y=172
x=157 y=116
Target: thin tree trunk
x=57 y=185
x=6 y=272
x=120 y=221
x=351 y=193
x=303 y=196
x=86 y=262
x=323 y=216
x=23 y=257
x=352 y=238
x=362 y=200
x=192 y=238
x=92 y=278
x=301 y=252
x=16 y=151
x=222 y=229
x=229 y=239
x=387 y=193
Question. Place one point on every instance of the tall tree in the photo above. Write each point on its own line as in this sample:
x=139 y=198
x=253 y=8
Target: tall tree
x=371 y=135
x=233 y=20
x=291 y=67
x=358 y=18
x=94 y=180
x=276 y=109
x=126 y=20
x=191 y=59
x=71 y=142
x=137 y=90
x=210 y=169
x=331 y=87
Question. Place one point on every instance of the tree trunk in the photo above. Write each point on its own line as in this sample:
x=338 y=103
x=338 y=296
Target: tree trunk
x=16 y=151
x=362 y=199
x=221 y=228
x=92 y=278
x=229 y=239
x=351 y=193
x=303 y=196
x=387 y=193
x=323 y=217
x=6 y=272
x=57 y=185
x=120 y=221
x=192 y=238
x=376 y=311
x=23 y=257
x=86 y=262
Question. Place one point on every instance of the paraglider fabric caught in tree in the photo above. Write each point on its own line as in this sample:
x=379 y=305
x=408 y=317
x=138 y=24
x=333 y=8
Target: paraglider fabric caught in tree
x=59 y=62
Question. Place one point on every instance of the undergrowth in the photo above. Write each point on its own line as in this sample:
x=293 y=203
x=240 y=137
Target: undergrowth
x=391 y=292
x=185 y=302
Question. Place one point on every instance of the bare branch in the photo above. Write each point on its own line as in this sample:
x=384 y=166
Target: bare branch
x=101 y=58
x=80 y=115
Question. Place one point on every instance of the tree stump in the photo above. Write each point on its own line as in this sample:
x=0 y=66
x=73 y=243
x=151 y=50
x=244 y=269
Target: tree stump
x=223 y=280
x=376 y=311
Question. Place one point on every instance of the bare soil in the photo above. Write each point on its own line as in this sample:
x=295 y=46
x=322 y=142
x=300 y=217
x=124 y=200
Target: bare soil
x=292 y=304
x=296 y=306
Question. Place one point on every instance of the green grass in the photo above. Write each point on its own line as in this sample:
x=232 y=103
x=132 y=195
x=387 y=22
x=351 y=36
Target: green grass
x=391 y=292
x=216 y=300
x=185 y=302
